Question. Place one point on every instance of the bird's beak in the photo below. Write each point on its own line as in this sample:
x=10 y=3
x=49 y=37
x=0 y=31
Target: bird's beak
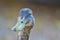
x=14 y=28
x=19 y=26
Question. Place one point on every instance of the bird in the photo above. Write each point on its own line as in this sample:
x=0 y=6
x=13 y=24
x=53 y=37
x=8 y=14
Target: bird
x=25 y=23
x=25 y=18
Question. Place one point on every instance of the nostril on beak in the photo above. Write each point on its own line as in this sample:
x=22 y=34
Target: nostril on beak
x=14 y=29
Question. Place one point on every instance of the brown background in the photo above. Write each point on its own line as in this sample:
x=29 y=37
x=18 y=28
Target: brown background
x=47 y=19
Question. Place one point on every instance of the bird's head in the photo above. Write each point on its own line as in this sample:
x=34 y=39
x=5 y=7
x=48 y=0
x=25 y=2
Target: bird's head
x=20 y=25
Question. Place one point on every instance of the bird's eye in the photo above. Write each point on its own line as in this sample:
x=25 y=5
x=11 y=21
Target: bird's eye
x=21 y=21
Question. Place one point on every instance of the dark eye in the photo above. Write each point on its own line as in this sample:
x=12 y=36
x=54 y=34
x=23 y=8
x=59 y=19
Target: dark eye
x=21 y=21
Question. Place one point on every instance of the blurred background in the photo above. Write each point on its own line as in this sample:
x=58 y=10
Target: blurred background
x=46 y=13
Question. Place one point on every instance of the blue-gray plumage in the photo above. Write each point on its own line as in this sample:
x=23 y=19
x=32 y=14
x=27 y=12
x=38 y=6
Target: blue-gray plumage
x=25 y=18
